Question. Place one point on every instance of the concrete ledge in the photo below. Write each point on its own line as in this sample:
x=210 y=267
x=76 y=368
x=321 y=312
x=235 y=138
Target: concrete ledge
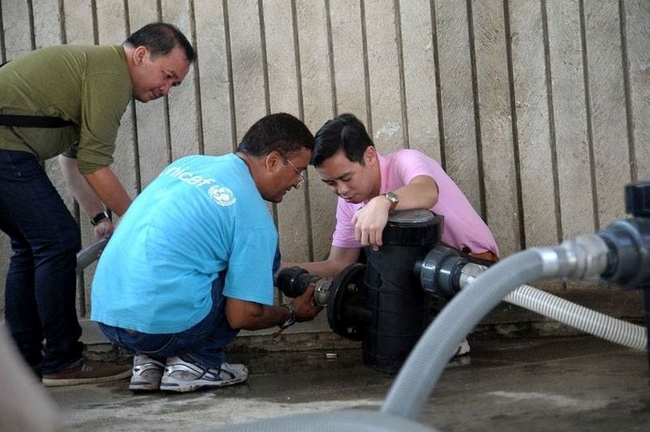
x=506 y=321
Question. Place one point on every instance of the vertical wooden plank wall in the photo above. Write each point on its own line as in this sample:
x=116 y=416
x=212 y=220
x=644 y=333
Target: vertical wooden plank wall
x=499 y=151
x=215 y=85
x=537 y=108
x=420 y=80
x=459 y=146
x=315 y=72
x=536 y=157
x=386 y=122
x=636 y=36
x=570 y=131
x=608 y=106
x=282 y=52
x=184 y=105
x=153 y=146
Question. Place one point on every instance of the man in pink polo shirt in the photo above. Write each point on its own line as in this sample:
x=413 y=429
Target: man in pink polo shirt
x=370 y=185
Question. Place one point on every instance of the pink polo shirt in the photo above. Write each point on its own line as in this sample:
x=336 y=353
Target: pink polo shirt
x=463 y=227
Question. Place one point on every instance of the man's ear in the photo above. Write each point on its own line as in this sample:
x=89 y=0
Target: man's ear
x=140 y=54
x=370 y=155
x=273 y=160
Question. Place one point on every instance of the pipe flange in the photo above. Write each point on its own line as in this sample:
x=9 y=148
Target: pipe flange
x=439 y=271
x=321 y=291
x=346 y=291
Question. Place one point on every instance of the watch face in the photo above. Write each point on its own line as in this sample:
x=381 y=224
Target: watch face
x=392 y=197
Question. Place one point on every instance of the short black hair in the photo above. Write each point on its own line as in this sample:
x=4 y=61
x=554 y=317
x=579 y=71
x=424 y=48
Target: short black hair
x=344 y=132
x=281 y=132
x=161 y=38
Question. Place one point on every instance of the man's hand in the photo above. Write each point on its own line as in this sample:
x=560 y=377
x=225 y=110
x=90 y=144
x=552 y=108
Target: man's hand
x=104 y=229
x=306 y=306
x=369 y=222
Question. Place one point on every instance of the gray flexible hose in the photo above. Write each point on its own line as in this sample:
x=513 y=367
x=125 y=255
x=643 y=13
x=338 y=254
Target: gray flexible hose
x=581 y=258
x=579 y=317
x=87 y=256
x=332 y=421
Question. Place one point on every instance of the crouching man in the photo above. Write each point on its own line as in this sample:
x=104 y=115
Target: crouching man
x=192 y=261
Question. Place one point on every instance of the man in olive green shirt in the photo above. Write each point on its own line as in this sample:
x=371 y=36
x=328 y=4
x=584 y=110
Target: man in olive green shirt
x=89 y=87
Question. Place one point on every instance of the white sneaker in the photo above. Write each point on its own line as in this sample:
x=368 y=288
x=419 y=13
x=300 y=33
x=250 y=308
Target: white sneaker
x=184 y=376
x=147 y=373
x=463 y=349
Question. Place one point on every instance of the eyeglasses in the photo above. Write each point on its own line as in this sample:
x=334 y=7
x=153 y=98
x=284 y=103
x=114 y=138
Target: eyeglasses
x=301 y=174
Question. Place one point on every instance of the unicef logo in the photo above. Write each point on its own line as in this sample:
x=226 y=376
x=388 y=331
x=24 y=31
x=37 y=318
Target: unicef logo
x=222 y=195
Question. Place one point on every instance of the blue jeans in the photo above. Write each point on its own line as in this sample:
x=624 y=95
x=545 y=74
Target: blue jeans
x=202 y=344
x=40 y=295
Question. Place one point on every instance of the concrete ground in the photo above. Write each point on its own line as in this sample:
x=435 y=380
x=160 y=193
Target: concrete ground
x=559 y=384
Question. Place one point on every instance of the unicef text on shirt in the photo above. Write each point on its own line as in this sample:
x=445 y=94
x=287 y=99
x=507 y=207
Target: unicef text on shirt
x=188 y=177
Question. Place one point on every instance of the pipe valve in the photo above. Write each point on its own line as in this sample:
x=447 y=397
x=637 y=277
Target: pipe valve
x=293 y=281
x=629 y=241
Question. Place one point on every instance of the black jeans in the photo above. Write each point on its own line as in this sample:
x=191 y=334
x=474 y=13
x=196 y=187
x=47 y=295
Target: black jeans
x=40 y=295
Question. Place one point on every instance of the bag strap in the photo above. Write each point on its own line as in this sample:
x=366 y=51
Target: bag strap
x=32 y=121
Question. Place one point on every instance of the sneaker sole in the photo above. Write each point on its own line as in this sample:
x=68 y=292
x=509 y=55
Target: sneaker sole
x=47 y=382
x=463 y=349
x=143 y=386
x=174 y=385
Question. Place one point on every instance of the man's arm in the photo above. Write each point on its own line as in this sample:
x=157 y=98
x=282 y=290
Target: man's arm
x=247 y=315
x=109 y=189
x=89 y=202
x=369 y=221
x=337 y=260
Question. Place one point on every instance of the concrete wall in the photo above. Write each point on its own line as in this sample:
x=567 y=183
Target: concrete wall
x=537 y=108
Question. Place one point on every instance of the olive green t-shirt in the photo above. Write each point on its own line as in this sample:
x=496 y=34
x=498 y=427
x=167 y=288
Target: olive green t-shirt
x=88 y=85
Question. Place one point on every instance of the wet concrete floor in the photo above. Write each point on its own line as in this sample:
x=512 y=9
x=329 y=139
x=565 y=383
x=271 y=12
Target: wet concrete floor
x=566 y=384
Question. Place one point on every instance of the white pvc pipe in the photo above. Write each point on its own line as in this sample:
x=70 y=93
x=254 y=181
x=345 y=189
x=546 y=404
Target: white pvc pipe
x=579 y=317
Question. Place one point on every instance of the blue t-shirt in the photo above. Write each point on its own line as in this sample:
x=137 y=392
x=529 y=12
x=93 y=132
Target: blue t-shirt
x=201 y=215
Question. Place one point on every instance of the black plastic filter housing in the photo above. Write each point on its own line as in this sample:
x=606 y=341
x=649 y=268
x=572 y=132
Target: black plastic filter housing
x=399 y=306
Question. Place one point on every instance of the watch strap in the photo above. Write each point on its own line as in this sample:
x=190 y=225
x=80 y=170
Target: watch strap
x=106 y=214
x=292 y=316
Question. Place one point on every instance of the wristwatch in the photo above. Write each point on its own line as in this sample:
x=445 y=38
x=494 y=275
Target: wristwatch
x=292 y=316
x=100 y=217
x=393 y=198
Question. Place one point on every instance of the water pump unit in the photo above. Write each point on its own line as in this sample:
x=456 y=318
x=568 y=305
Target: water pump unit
x=381 y=302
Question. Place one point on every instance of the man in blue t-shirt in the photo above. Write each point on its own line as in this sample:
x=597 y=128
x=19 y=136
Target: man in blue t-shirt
x=192 y=261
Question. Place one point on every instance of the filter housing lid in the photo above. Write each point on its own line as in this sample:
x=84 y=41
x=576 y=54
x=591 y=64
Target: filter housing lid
x=417 y=227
